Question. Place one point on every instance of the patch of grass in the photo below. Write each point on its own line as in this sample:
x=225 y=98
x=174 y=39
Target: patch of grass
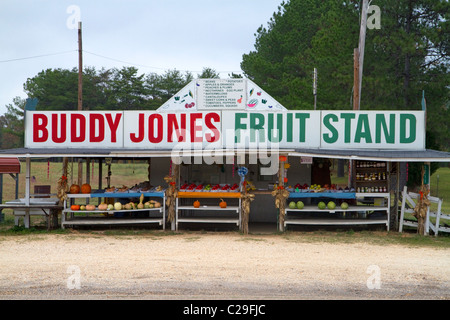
x=21 y=230
x=246 y=238
x=440 y=187
x=192 y=239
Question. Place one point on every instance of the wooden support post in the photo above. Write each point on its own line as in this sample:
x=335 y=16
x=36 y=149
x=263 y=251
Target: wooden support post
x=100 y=177
x=88 y=174
x=80 y=173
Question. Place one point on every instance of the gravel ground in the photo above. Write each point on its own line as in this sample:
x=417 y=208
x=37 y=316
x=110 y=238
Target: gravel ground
x=217 y=265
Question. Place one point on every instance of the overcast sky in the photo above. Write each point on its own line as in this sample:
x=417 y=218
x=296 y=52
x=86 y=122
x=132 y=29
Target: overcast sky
x=152 y=35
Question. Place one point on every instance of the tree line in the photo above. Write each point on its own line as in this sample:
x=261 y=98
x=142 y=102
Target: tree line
x=406 y=57
x=104 y=89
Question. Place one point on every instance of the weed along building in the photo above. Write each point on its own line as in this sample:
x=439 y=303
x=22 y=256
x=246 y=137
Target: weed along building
x=226 y=152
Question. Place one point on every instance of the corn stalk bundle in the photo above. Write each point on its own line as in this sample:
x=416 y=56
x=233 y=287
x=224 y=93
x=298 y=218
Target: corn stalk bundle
x=62 y=189
x=246 y=199
x=421 y=208
x=281 y=196
x=171 y=193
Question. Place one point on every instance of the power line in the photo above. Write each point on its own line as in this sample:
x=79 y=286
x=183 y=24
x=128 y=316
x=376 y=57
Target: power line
x=39 y=56
x=145 y=66
x=108 y=58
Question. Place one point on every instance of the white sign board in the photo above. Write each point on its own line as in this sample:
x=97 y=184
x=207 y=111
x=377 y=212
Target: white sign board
x=212 y=129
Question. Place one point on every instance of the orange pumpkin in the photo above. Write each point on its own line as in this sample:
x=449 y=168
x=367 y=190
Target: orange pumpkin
x=222 y=204
x=74 y=188
x=196 y=204
x=86 y=188
x=75 y=207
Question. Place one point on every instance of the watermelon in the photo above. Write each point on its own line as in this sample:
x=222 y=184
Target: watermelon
x=331 y=205
x=321 y=205
x=292 y=205
x=344 y=205
x=300 y=205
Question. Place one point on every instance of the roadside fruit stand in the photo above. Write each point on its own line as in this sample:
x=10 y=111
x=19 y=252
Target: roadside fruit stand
x=223 y=151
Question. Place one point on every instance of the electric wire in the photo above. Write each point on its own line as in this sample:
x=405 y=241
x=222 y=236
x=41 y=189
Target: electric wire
x=104 y=57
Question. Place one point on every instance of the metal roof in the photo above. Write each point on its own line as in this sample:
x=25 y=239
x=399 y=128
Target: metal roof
x=352 y=154
x=426 y=155
x=9 y=165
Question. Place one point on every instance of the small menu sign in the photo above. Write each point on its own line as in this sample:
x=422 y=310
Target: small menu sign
x=221 y=94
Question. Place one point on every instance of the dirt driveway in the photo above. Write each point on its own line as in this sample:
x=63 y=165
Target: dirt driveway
x=216 y=266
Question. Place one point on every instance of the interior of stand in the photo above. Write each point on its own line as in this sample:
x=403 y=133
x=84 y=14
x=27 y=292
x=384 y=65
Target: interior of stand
x=98 y=173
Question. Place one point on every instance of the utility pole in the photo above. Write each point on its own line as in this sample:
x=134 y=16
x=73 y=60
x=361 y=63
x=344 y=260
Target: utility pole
x=80 y=68
x=315 y=88
x=80 y=93
x=356 y=79
x=361 y=45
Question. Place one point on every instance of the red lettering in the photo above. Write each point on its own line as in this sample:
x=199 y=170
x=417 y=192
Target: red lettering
x=173 y=123
x=63 y=126
x=209 y=125
x=77 y=121
x=151 y=128
x=93 y=119
x=40 y=132
x=140 y=137
x=195 y=127
x=113 y=125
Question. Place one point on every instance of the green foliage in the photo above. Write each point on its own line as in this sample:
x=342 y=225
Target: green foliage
x=12 y=125
x=415 y=168
x=107 y=89
x=409 y=54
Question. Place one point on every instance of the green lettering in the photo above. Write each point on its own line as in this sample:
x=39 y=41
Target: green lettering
x=238 y=126
x=279 y=130
x=256 y=125
x=289 y=132
x=347 y=125
x=380 y=122
x=334 y=133
x=363 y=129
x=412 y=128
x=302 y=125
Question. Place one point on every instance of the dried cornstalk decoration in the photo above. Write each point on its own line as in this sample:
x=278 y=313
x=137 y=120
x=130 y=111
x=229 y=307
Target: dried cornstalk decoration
x=171 y=193
x=246 y=198
x=62 y=185
x=421 y=208
x=62 y=188
x=281 y=195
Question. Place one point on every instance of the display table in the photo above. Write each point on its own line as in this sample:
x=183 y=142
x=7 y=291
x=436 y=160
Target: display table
x=186 y=213
x=113 y=217
x=37 y=207
x=312 y=215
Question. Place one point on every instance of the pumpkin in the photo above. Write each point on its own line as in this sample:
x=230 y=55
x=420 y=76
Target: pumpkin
x=75 y=207
x=222 y=204
x=74 y=188
x=102 y=206
x=86 y=188
x=90 y=207
x=196 y=204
